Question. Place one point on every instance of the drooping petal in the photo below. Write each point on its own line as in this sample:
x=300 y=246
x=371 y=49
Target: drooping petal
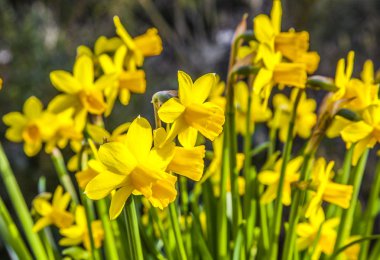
x=118 y=201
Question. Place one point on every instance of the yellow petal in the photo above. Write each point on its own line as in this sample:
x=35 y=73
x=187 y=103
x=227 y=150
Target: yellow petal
x=62 y=102
x=350 y=64
x=32 y=107
x=116 y=157
x=120 y=57
x=93 y=102
x=188 y=137
x=97 y=133
x=143 y=177
x=100 y=186
x=171 y=110
x=31 y=149
x=263 y=78
x=120 y=30
x=367 y=74
x=106 y=63
x=84 y=71
x=65 y=82
x=14 y=118
x=124 y=96
x=185 y=84
x=268 y=177
x=263 y=28
x=118 y=201
x=356 y=131
x=276 y=15
x=188 y=162
x=139 y=138
x=202 y=87
x=41 y=223
x=134 y=81
x=42 y=206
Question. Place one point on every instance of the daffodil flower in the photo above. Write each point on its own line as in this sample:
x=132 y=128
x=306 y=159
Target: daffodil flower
x=292 y=45
x=129 y=80
x=308 y=232
x=189 y=113
x=132 y=166
x=32 y=127
x=326 y=190
x=81 y=91
x=260 y=113
x=148 y=44
x=53 y=213
x=305 y=115
x=365 y=133
x=78 y=234
x=271 y=179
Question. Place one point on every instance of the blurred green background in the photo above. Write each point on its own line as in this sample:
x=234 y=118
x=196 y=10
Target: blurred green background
x=37 y=37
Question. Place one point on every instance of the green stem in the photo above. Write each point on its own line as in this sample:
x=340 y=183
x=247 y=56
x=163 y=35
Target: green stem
x=347 y=216
x=370 y=213
x=11 y=234
x=162 y=231
x=131 y=223
x=109 y=241
x=298 y=202
x=222 y=244
x=276 y=224
x=185 y=210
x=20 y=206
x=63 y=175
x=177 y=231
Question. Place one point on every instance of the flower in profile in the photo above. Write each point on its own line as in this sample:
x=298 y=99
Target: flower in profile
x=81 y=91
x=271 y=179
x=53 y=213
x=79 y=234
x=132 y=166
x=32 y=127
x=364 y=133
x=259 y=112
x=216 y=93
x=325 y=189
x=128 y=80
x=189 y=113
x=147 y=44
x=317 y=231
x=305 y=115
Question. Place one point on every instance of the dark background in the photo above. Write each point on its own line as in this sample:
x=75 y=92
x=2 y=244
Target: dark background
x=37 y=37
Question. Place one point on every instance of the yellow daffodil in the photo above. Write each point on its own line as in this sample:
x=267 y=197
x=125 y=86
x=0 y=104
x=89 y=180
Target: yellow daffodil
x=325 y=189
x=189 y=113
x=259 y=112
x=53 y=213
x=132 y=166
x=78 y=234
x=305 y=117
x=32 y=127
x=308 y=232
x=102 y=45
x=131 y=80
x=81 y=91
x=271 y=179
x=364 y=133
x=147 y=44
x=292 y=45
